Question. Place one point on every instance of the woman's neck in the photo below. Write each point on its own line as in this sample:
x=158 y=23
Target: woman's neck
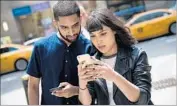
x=112 y=51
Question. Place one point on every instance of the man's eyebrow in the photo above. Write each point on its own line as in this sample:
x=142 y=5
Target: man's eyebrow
x=75 y=23
x=63 y=26
x=72 y=25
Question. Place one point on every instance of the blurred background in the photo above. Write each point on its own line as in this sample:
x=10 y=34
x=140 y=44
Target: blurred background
x=151 y=22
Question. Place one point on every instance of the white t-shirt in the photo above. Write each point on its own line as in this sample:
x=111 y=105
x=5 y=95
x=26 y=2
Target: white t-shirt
x=111 y=61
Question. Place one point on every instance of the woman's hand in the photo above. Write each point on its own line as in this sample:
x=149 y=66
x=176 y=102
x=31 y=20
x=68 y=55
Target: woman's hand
x=84 y=78
x=102 y=71
x=84 y=95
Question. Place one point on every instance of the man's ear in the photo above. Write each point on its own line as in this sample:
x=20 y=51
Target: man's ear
x=55 y=23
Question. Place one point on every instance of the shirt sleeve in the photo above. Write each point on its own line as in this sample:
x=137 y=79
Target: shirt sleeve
x=33 y=68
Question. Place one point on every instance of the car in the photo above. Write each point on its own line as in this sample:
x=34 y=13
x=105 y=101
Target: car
x=173 y=7
x=152 y=23
x=14 y=57
x=32 y=41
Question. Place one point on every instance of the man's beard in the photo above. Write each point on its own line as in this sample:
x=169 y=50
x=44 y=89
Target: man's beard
x=66 y=38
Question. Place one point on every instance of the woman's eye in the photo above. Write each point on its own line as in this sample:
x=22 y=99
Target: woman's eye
x=92 y=36
x=103 y=34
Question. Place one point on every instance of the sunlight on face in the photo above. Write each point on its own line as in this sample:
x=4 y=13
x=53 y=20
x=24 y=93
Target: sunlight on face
x=69 y=27
x=104 y=40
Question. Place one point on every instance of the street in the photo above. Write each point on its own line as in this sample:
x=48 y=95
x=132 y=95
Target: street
x=162 y=57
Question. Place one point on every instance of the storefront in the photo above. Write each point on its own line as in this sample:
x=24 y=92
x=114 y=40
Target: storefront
x=35 y=20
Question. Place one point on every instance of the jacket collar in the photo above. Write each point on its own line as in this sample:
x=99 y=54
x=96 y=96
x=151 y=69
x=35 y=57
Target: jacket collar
x=121 y=65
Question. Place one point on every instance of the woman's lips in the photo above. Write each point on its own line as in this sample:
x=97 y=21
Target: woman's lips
x=101 y=47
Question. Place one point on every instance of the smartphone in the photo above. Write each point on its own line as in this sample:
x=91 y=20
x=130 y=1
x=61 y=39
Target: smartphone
x=83 y=58
x=87 y=60
x=56 y=88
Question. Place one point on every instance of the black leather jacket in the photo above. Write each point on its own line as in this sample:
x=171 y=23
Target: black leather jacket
x=133 y=65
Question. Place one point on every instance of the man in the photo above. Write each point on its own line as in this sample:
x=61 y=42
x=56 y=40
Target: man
x=53 y=60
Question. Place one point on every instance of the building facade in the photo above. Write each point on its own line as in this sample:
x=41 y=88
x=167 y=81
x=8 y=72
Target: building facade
x=21 y=25
x=25 y=19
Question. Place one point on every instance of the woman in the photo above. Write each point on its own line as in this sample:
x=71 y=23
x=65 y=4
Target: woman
x=124 y=77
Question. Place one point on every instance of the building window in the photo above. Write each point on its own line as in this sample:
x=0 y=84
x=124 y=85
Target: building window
x=5 y=26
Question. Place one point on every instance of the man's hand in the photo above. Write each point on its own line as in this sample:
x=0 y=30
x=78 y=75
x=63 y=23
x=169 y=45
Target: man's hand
x=66 y=92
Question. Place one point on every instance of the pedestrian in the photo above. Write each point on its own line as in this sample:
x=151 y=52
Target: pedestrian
x=53 y=61
x=123 y=76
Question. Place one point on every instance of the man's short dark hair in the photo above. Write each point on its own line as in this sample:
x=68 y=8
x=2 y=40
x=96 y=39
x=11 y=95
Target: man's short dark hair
x=65 y=8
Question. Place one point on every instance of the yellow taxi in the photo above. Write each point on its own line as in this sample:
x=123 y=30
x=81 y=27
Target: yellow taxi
x=14 y=57
x=152 y=23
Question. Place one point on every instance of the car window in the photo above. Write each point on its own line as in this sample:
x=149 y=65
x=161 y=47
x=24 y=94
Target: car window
x=12 y=49
x=4 y=50
x=142 y=19
x=7 y=49
x=159 y=14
